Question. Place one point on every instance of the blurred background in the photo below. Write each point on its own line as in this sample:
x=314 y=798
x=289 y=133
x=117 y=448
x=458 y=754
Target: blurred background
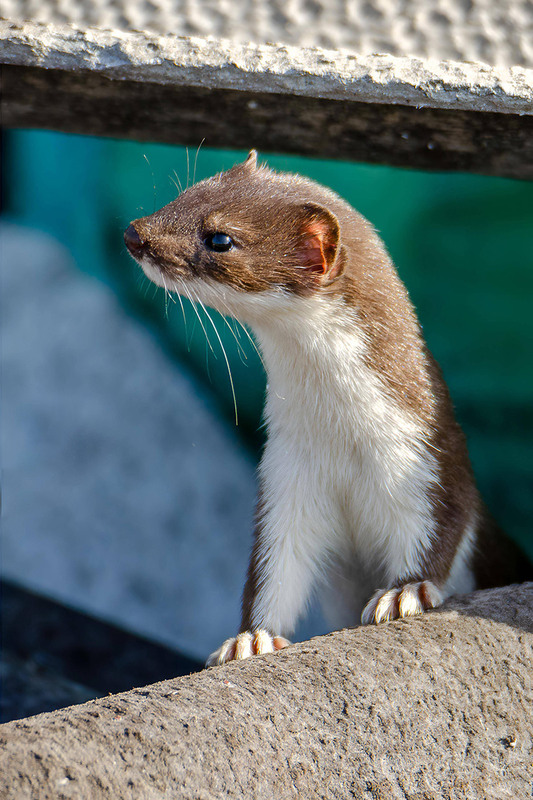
x=129 y=487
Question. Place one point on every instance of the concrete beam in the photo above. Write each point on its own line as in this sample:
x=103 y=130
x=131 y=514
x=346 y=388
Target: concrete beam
x=435 y=706
x=403 y=111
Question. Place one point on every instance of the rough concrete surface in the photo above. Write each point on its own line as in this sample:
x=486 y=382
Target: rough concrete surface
x=497 y=33
x=308 y=72
x=433 y=707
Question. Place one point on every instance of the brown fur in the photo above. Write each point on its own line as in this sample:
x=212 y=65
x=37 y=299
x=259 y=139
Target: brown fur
x=253 y=578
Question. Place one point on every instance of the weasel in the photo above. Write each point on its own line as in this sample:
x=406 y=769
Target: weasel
x=366 y=491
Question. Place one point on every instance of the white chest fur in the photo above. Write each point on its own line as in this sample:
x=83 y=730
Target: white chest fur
x=356 y=452
x=345 y=472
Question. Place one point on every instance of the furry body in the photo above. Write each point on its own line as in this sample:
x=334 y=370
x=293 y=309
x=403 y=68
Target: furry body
x=366 y=491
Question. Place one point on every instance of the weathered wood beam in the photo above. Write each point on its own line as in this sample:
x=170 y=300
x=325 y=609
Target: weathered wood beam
x=434 y=707
x=380 y=109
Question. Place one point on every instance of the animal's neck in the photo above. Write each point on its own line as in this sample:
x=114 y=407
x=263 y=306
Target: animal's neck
x=318 y=377
x=323 y=386
x=310 y=343
x=331 y=358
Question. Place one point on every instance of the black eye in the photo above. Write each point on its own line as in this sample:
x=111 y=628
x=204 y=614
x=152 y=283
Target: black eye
x=219 y=242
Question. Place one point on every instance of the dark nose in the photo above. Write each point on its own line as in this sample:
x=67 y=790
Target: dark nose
x=133 y=241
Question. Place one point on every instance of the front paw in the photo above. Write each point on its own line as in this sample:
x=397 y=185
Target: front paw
x=245 y=645
x=406 y=601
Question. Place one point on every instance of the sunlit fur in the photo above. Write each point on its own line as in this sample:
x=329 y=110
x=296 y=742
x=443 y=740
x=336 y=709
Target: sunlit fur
x=344 y=469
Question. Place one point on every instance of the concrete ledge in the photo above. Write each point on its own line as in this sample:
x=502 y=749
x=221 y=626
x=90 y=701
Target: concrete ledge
x=274 y=69
x=396 y=110
x=436 y=706
x=473 y=31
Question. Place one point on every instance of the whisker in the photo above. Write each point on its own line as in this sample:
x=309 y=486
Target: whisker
x=183 y=289
x=226 y=360
x=193 y=299
x=226 y=321
x=166 y=299
x=144 y=284
x=197 y=300
x=171 y=179
x=252 y=341
x=182 y=313
x=168 y=296
x=193 y=331
x=179 y=182
x=240 y=348
x=153 y=181
x=245 y=329
x=237 y=334
x=188 y=293
x=187 y=154
x=196 y=159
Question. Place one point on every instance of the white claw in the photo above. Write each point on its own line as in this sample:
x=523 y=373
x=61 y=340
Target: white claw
x=405 y=601
x=246 y=644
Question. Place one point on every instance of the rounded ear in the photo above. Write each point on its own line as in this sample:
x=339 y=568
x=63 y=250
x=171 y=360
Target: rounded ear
x=318 y=242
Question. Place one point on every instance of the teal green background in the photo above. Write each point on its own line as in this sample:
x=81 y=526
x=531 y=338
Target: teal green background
x=462 y=244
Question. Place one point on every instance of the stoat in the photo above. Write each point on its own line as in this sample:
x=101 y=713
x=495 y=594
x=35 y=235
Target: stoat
x=366 y=493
